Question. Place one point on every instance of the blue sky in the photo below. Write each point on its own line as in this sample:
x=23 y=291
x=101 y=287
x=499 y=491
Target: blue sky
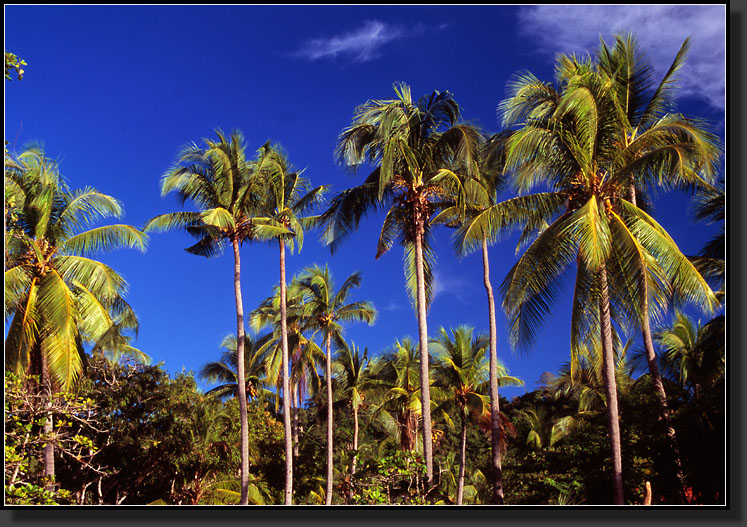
x=113 y=93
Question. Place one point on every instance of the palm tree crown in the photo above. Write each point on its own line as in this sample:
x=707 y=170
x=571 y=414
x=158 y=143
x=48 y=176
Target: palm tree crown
x=56 y=295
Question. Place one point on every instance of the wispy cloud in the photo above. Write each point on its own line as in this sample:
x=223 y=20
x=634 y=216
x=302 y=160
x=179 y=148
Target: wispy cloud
x=451 y=285
x=391 y=306
x=659 y=29
x=361 y=45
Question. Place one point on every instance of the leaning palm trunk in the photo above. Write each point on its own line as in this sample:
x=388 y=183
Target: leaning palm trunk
x=653 y=369
x=425 y=394
x=495 y=415
x=286 y=383
x=330 y=439
x=610 y=384
x=462 y=460
x=241 y=375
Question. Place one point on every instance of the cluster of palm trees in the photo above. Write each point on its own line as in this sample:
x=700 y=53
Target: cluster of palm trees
x=594 y=143
x=387 y=386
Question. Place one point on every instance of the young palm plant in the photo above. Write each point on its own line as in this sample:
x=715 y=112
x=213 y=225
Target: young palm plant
x=222 y=184
x=411 y=144
x=288 y=197
x=327 y=311
x=56 y=296
x=570 y=141
x=461 y=373
x=395 y=392
x=224 y=371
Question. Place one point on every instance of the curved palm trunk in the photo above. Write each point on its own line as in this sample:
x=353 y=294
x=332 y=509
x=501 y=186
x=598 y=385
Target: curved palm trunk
x=286 y=383
x=610 y=385
x=495 y=412
x=48 y=427
x=653 y=369
x=330 y=439
x=425 y=392
x=462 y=459
x=241 y=374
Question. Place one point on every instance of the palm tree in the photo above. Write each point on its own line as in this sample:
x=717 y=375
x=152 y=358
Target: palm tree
x=642 y=117
x=581 y=381
x=460 y=371
x=411 y=144
x=221 y=183
x=305 y=356
x=571 y=141
x=449 y=484
x=351 y=368
x=480 y=219
x=56 y=296
x=710 y=206
x=224 y=371
x=693 y=354
x=395 y=392
x=288 y=197
x=327 y=311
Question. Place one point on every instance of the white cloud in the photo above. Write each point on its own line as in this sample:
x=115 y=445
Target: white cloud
x=659 y=30
x=451 y=285
x=361 y=45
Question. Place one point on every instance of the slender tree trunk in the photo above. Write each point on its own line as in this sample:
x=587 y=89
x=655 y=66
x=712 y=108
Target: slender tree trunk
x=425 y=391
x=286 y=383
x=241 y=374
x=495 y=411
x=462 y=459
x=653 y=369
x=48 y=427
x=294 y=419
x=330 y=437
x=355 y=452
x=610 y=385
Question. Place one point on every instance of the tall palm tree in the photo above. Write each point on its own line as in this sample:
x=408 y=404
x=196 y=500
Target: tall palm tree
x=222 y=184
x=351 y=368
x=571 y=141
x=411 y=144
x=480 y=219
x=461 y=372
x=288 y=198
x=328 y=310
x=644 y=114
x=56 y=296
